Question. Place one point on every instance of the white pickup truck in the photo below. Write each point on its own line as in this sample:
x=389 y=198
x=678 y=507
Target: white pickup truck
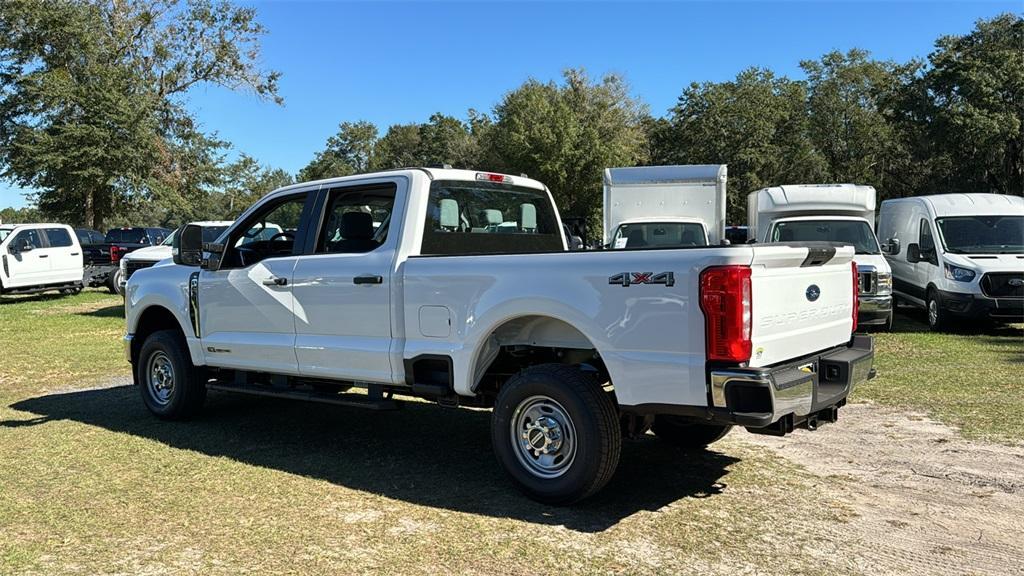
x=456 y=286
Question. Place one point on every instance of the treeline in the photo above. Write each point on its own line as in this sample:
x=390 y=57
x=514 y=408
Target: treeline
x=953 y=122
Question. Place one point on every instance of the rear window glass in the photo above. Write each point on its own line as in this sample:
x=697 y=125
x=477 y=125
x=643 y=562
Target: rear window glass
x=128 y=236
x=58 y=237
x=488 y=218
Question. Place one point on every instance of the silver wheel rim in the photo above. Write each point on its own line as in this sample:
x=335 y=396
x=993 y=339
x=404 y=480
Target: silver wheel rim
x=160 y=378
x=543 y=437
x=933 y=312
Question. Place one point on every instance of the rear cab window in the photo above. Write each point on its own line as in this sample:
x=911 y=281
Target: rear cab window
x=128 y=236
x=467 y=217
x=58 y=237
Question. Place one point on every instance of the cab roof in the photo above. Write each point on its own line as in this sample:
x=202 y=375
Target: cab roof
x=976 y=204
x=431 y=173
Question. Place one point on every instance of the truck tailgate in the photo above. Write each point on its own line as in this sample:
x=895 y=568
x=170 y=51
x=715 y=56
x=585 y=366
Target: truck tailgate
x=801 y=301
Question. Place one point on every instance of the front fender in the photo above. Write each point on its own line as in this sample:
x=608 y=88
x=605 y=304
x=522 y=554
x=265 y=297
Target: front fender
x=166 y=287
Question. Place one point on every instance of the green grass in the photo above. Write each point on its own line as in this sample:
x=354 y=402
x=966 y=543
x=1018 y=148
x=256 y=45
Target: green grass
x=90 y=483
x=973 y=379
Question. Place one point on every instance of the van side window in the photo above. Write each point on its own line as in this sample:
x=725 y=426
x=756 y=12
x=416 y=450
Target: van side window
x=357 y=219
x=926 y=242
x=58 y=237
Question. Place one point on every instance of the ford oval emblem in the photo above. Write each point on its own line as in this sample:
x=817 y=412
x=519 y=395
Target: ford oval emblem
x=813 y=292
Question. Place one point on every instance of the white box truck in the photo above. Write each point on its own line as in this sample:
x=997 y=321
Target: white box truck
x=843 y=213
x=962 y=255
x=664 y=206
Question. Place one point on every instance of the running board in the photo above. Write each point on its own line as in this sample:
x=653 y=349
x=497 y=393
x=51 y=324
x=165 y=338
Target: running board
x=373 y=401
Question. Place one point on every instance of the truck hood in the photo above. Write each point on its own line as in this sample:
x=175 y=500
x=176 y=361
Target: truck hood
x=151 y=253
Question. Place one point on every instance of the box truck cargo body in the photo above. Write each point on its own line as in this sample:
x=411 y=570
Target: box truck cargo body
x=662 y=206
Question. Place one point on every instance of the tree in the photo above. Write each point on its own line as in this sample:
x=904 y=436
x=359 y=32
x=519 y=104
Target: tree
x=399 y=147
x=976 y=116
x=848 y=123
x=11 y=215
x=92 y=93
x=757 y=124
x=565 y=135
x=347 y=152
x=244 y=182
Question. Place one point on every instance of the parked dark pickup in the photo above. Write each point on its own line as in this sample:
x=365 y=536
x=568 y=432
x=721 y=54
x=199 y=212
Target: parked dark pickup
x=102 y=254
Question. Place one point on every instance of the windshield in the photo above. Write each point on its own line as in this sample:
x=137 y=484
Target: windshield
x=659 y=235
x=170 y=239
x=489 y=218
x=211 y=233
x=4 y=232
x=982 y=234
x=855 y=232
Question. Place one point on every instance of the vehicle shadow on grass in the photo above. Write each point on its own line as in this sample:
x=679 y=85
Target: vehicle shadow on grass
x=115 y=311
x=421 y=454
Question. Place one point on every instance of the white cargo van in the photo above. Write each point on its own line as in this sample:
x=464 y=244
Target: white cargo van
x=664 y=206
x=38 y=258
x=958 y=256
x=843 y=213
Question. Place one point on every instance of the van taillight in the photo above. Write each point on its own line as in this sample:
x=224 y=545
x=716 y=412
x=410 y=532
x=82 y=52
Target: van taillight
x=725 y=300
x=856 y=292
x=115 y=254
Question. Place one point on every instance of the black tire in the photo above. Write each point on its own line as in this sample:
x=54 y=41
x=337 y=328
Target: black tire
x=167 y=349
x=686 y=433
x=590 y=441
x=114 y=282
x=887 y=327
x=938 y=319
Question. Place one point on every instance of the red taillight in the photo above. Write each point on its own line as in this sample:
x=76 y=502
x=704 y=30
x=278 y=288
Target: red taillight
x=115 y=254
x=856 y=292
x=725 y=299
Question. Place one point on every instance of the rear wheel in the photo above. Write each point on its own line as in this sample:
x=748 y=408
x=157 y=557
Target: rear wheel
x=171 y=386
x=556 y=433
x=686 y=433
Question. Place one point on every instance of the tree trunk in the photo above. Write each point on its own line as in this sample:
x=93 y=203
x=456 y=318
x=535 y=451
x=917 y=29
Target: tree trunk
x=90 y=210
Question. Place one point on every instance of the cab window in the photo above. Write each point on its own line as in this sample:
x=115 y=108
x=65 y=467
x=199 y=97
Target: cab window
x=926 y=242
x=273 y=231
x=58 y=237
x=357 y=219
x=27 y=239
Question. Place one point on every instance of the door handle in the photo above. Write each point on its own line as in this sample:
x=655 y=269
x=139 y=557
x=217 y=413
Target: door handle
x=368 y=279
x=275 y=281
x=44 y=255
x=74 y=253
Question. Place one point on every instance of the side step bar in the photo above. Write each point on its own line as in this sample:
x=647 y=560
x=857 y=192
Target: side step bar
x=374 y=400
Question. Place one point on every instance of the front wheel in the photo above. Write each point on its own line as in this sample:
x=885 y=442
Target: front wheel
x=938 y=319
x=686 y=433
x=114 y=282
x=171 y=386
x=556 y=433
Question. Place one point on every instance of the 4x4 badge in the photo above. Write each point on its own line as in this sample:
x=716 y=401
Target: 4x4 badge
x=629 y=278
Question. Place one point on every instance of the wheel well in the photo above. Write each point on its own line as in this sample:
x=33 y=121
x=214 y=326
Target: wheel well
x=527 y=341
x=153 y=319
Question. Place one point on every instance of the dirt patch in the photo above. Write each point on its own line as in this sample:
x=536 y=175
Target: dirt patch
x=925 y=500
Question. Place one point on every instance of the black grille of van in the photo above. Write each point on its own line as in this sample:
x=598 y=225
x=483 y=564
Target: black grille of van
x=1003 y=284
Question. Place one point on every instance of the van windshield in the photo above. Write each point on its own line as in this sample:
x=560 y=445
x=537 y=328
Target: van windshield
x=982 y=234
x=855 y=232
x=659 y=235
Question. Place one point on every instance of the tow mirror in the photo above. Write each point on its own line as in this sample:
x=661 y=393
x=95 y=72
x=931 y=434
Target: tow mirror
x=892 y=247
x=187 y=248
x=913 y=253
x=23 y=245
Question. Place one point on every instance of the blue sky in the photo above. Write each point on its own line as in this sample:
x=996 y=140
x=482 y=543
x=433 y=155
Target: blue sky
x=394 y=62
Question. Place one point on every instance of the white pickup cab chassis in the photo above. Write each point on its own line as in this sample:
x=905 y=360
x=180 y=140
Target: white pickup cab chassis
x=456 y=286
